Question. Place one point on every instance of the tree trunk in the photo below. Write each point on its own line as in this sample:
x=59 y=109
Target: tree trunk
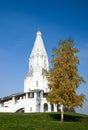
x=62 y=113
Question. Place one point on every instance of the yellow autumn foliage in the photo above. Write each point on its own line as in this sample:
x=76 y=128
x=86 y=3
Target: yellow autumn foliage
x=64 y=78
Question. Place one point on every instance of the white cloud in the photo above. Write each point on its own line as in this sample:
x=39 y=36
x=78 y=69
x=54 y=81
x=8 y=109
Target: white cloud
x=19 y=43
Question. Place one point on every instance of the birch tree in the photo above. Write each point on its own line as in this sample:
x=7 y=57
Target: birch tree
x=63 y=77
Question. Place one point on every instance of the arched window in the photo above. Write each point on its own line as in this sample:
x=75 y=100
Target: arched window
x=52 y=107
x=45 y=107
x=58 y=107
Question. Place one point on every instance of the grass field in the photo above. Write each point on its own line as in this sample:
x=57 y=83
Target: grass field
x=42 y=121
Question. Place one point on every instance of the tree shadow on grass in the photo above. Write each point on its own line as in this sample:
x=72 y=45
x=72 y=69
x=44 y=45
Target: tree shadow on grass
x=67 y=117
x=72 y=118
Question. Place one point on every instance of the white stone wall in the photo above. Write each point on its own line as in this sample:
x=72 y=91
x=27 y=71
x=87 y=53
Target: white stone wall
x=35 y=104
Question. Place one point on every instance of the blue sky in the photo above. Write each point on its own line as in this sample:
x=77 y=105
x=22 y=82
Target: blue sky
x=57 y=20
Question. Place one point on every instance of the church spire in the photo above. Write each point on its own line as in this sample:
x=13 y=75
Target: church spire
x=38 y=55
x=38 y=48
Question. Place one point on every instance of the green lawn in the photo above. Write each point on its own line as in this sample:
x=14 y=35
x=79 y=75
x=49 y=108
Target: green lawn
x=42 y=121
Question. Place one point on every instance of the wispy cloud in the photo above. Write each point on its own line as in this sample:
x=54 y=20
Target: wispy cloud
x=19 y=43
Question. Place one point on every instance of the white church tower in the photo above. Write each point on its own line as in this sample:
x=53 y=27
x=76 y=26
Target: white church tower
x=38 y=64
